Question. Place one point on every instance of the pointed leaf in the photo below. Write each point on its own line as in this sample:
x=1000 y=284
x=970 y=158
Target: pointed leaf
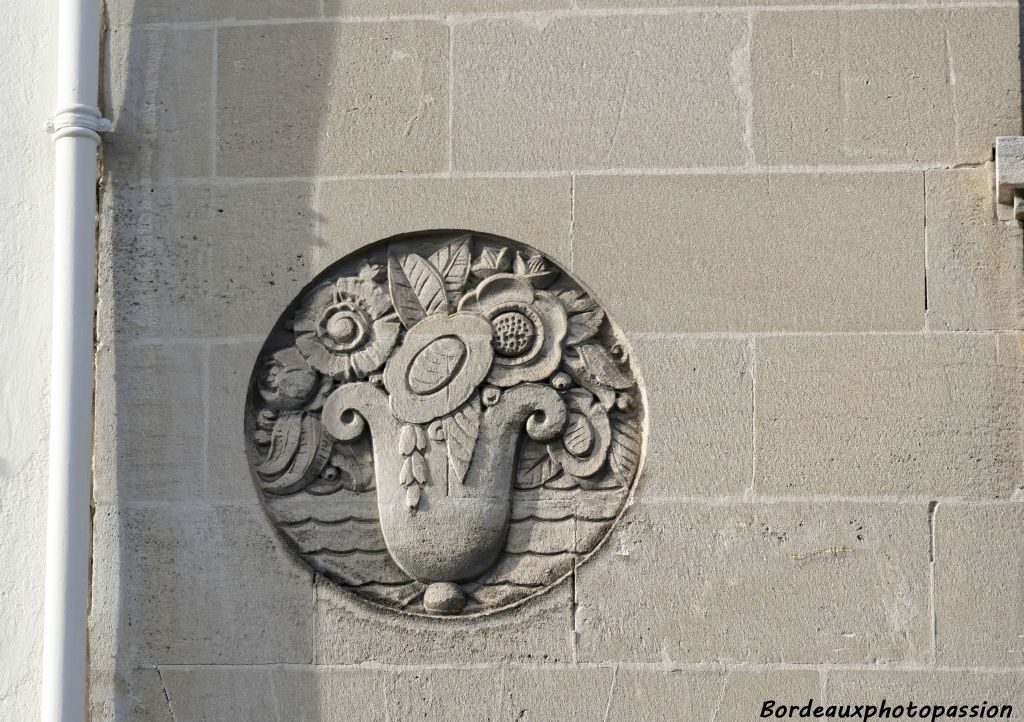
x=452 y=261
x=535 y=466
x=416 y=288
x=624 y=453
x=461 y=430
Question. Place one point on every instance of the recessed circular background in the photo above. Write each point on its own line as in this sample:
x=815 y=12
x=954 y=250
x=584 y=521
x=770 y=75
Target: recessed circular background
x=445 y=423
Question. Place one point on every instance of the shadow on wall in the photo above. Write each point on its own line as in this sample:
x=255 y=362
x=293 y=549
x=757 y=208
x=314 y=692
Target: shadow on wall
x=203 y=241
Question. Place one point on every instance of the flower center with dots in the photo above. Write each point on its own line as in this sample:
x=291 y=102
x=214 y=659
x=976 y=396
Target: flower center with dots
x=513 y=333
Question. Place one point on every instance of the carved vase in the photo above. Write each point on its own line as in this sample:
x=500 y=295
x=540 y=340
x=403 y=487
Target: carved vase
x=445 y=424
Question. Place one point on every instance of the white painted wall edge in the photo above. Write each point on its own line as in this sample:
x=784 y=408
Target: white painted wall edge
x=75 y=128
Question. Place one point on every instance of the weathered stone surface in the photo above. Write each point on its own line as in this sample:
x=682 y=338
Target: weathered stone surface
x=979 y=576
x=799 y=583
x=162 y=116
x=370 y=8
x=884 y=86
x=150 y=423
x=553 y=695
x=202 y=260
x=700 y=397
x=131 y=695
x=744 y=692
x=944 y=687
x=123 y=12
x=638 y=695
x=975 y=265
x=677 y=254
x=334 y=99
x=536 y=211
x=296 y=694
x=592 y=92
x=228 y=478
x=349 y=631
x=886 y=415
x=198 y=585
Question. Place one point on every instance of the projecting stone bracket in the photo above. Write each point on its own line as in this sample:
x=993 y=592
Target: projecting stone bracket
x=1010 y=174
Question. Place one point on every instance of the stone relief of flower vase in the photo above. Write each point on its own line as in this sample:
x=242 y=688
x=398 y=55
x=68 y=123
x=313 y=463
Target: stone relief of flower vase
x=445 y=423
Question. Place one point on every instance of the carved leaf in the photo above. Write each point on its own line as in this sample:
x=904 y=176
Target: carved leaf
x=624 y=453
x=416 y=288
x=407 y=440
x=436 y=364
x=575 y=301
x=352 y=460
x=412 y=497
x=284 y=442
x=578 y=437
x=583 y=326
x=600 y=363
x=309 y=459
x=419 y=467
x=452 y=261
x=605 y=394
x=405 y=476
x=461 y=430
x=535 y=466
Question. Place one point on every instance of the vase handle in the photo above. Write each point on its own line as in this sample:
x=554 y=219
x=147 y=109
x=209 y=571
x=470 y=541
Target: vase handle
x=350 y=408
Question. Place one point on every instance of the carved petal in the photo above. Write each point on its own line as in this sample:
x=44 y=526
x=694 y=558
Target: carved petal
x=504 y=288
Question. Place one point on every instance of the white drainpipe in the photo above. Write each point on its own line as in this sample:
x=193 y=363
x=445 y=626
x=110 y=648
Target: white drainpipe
x=76 y=129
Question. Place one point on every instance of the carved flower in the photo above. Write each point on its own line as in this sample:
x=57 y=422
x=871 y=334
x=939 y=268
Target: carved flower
x=439 y=365
x=529 y=326
x=344 y=329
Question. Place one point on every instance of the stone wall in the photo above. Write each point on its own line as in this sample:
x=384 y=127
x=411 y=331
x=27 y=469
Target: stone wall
x=787 y=208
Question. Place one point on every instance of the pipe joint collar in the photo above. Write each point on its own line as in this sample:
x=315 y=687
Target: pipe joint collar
x=78 y=121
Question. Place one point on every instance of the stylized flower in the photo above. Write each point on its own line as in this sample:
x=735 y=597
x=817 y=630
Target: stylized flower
x=343 y=328
x=440 y=363
x=529 y=326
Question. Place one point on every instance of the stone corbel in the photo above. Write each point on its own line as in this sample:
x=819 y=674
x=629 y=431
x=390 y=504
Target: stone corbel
x=1010 y=177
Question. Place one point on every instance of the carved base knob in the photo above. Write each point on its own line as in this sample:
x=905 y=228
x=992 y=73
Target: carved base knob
x=444 y=598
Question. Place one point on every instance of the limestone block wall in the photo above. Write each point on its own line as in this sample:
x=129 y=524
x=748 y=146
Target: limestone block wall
x=786 y=207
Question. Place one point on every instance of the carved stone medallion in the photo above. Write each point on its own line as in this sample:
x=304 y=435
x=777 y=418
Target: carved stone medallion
x=445 y=423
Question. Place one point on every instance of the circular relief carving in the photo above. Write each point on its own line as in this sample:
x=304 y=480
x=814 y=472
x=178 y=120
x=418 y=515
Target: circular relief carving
x=445 y=423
